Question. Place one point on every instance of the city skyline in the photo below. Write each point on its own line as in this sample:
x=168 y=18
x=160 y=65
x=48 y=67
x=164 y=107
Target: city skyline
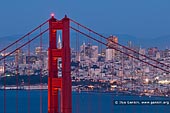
x=96 y=65
x=85 y=56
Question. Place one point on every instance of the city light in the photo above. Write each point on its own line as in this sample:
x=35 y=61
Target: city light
x=146 y=80
x=157 y=78
x=164 y=82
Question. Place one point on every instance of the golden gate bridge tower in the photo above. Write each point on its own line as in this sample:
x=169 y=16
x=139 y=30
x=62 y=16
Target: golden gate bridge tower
x=59 y=103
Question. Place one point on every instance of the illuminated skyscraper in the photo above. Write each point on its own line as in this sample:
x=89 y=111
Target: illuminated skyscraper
x=83 y=51
x=1 y=69
x=110 y=51
x=112 y=42
x=110 y=54
x=94 y=53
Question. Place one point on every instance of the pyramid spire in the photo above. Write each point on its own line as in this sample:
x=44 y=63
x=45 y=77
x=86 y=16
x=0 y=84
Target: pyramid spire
x=59 y=45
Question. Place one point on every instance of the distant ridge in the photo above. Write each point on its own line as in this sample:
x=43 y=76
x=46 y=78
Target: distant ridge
x=161 y=42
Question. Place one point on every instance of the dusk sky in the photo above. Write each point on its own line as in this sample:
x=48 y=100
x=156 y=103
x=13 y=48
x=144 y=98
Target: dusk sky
x=140 y=18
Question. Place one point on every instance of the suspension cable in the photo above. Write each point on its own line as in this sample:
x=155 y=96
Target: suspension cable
x=100 y=75
x=17 y=73
x=41 y=58
x=89 y=73
x=24 y=36
x=155 y=66
x=4 y=84
x=77 y=71
x=28 y=74
x=24 y=44
x=119 y=44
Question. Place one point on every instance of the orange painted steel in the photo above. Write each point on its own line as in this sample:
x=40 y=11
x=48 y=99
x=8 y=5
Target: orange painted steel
x=59 y=103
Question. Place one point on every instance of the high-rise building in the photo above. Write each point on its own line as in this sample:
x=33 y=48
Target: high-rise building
x=31 y=59
x=19 y=57
x=88 y=52
x=152 y=51
x=1 y=69
x=94 y=53
x=166 y=53
x=38 y=50
x=129 y=44
x=112 y=42
x=78 y=57
x=141 y=51
x=111 y=51
x=83 y=51
x=158 y=55
x=110 y=54
x=59 y=44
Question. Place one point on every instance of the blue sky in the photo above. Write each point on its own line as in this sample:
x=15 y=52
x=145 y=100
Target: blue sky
x=140 y=18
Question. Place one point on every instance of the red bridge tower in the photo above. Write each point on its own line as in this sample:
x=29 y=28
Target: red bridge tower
x=59 y=103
